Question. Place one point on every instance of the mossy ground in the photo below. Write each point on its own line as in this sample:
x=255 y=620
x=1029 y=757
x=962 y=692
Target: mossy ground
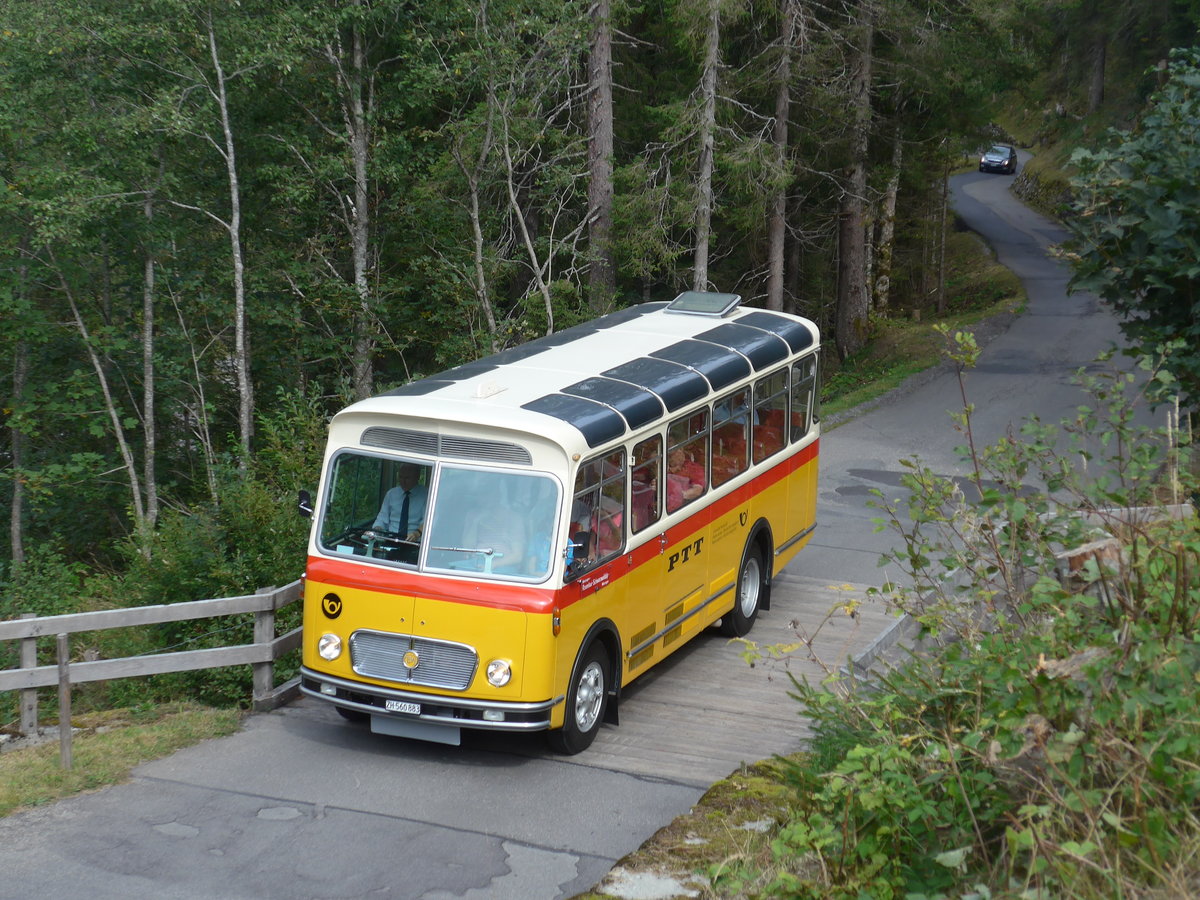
x=722 y=845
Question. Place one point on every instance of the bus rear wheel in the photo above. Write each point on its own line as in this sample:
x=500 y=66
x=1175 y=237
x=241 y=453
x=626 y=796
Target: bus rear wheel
x=586 y=702
x=751 y=586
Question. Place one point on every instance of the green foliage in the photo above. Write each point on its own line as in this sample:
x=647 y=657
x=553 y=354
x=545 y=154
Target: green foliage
x=47 y=583
x=1042 y=740
x=1136 y=223
x=250 y=539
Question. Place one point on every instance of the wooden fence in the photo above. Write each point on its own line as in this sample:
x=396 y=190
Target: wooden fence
x=28 y=676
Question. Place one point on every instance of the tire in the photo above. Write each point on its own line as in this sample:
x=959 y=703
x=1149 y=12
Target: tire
x=587 y=700
x=751 y=587
x=353 y=715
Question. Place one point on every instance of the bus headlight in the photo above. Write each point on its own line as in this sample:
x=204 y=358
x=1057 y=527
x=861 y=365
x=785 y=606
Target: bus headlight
x=499 y=672
x=329 y=646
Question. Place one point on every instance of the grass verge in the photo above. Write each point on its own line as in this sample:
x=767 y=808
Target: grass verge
x=105 y=748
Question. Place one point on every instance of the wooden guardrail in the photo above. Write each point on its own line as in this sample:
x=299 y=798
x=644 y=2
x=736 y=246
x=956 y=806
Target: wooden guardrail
x=28 y=676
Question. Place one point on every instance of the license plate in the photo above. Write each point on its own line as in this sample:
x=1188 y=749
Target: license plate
x=402 y=706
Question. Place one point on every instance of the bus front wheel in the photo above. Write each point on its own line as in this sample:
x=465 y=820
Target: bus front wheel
x=353 y=715
x=586 y=700
x=751 y=586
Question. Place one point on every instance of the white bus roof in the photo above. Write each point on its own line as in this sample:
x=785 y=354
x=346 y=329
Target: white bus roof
x=606 y=377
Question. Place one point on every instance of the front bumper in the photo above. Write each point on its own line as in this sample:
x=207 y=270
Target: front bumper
x=436 y=709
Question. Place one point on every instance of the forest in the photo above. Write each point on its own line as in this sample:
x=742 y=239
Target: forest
x=223 y=221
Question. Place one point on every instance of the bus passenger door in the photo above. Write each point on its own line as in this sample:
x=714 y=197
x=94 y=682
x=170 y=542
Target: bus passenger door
x=685 y=588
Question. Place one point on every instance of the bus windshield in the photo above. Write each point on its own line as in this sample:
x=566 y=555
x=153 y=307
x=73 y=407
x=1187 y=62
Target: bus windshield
x=452 y=518
x=495 y=522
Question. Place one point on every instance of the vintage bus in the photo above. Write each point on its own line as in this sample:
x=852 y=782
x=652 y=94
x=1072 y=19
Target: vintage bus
x=507 y=544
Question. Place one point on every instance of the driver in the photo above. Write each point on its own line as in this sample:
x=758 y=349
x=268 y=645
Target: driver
x=403 y=509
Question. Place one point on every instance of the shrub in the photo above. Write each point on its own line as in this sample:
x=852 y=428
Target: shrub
x=1043 y=741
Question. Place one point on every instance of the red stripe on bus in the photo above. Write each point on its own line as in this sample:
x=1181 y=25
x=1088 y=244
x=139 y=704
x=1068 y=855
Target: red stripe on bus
x=342 y=573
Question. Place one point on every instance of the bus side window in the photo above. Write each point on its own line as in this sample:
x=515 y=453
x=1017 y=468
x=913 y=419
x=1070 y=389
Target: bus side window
x=804 y=375
x=687 y=459
x=731 y=425
x=598 y=511
x=770 y=413
x=645 y=478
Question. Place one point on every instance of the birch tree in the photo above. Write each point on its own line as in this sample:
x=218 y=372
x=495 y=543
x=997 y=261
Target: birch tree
x=351 y=52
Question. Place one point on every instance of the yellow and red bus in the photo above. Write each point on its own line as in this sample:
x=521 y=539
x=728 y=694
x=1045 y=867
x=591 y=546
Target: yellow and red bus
x=508 y=544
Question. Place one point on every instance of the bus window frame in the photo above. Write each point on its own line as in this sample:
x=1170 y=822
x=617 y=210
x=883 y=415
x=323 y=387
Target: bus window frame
x=728 y=412
x=683 y=433
x=803 y=379
x=761 y=450
x=595 y=479
x=649 y=484
x=386 y=479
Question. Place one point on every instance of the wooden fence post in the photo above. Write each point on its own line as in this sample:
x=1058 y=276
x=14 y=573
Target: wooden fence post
x=264 y=672
x=29 y=701
x=64 y=701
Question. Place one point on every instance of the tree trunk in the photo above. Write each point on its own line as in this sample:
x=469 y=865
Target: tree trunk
x=791 y=36
x=602 y=276
x=358 y=138
x=471 y=174
x=527 y=238
x=16 y=511
x=943 y=211
x=241 y=353
x=794 y=249
x=887 y=229
x=149 y=428
x=114 y=416
x=852 y=303
x=708 y=127
x=1099 y=57
x=201 y=431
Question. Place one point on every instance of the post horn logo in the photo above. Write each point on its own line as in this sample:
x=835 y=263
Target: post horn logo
x=331 y=605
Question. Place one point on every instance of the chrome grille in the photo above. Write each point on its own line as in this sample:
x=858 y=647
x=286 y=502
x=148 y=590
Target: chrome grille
x=401 y=439
x=481 y=448
x=441 y=664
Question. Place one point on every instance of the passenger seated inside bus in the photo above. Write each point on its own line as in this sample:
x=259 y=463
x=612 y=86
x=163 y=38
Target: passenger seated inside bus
x=608 y=527
x=502 y=532
x=644 y=502
x=685 y=479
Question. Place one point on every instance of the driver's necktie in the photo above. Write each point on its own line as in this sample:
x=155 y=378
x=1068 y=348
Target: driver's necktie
x=404 y=515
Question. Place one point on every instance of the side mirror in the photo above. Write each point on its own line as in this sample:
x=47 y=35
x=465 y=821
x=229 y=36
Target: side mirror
x=305 y=504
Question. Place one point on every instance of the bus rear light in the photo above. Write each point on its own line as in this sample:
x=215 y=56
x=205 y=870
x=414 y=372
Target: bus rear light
x=556 y=620
x=329 y=646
